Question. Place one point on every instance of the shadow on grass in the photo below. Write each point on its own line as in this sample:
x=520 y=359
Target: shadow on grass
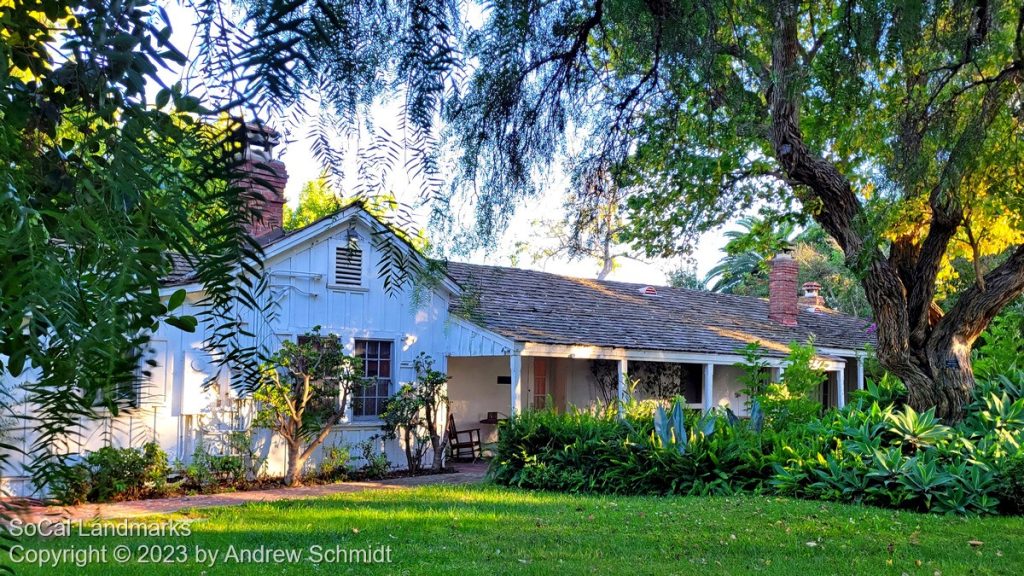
x=491 y=530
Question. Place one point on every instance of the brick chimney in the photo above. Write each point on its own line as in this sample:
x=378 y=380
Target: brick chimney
x=782 y=291
x=812 y=300
x=266 y=177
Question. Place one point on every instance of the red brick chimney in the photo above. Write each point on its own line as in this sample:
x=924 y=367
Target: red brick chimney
x=782 y=292
x=812 y=300
x=266 y=177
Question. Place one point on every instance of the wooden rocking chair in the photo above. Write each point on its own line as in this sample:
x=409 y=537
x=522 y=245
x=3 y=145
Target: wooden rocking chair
x=470 y=441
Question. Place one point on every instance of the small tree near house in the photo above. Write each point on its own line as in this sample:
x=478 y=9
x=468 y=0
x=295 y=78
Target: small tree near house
x=415 y=415
x=304 y=392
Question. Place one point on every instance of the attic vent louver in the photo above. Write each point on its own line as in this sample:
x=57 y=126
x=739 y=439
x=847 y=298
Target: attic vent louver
x=348 y=266
x=649 y=291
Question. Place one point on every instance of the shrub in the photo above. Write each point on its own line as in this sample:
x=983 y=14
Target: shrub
x=156 y=467
x=242 y=444
x=334 y=466
x=1011 y=485
x=72 y=485
x=414 y=412
x=787 y=402
x=1002 y=345
x=207 y=472
x=113 y=474
x=375 y=464
x=870 y=452
x=403 y=418
x=583 y=451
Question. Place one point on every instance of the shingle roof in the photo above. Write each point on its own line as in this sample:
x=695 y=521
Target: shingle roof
x=531 y=306
x=184 y=273
x=181 y=271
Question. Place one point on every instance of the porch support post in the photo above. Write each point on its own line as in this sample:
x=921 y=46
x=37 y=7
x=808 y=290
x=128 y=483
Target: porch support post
x=516 y=365
x=621 y=391
x=860 y=372
x=841 y=387
x=709 y=387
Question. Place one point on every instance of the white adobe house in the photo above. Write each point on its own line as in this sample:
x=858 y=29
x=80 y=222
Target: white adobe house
x=510 y=339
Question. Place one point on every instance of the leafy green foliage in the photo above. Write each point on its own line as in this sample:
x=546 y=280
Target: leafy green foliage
x=789 y=401
x=1002 y=344
x=1011 y=488
x=304 y=392
x=868 y=453
x=748 y=252
x=316 y=200
x=414 y=412
x=745 y=267
x=403 y=420
x=597 y=452
x=376 y=464
x=241 y=443
x=113 y=474
x=207 y=472
x=335 y=463
x=103 y=189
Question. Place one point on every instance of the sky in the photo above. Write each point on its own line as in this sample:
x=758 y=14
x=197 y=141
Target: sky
x=302 y=167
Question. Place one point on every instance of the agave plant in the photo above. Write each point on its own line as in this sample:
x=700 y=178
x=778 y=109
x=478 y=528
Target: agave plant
x=924 y=477
x=756 y=416
x=999 y=414
x=671 y=429
x=917 y=430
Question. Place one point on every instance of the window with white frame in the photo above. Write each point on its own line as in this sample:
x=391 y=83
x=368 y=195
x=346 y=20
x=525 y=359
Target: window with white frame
x=377 y=355
x=348 y=265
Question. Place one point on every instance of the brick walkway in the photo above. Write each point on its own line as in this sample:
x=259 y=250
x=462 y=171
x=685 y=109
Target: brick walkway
x=467 y=474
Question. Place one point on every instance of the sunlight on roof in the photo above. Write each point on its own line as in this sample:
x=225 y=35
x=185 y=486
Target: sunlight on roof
x=605 y=290
x=748 y=338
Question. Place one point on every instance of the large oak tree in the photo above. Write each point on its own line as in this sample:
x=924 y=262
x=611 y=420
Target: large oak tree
x=894 y=124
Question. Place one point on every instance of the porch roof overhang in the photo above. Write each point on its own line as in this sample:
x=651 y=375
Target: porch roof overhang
x=585 y=352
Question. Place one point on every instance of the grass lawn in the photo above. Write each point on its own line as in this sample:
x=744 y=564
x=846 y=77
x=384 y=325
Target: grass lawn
x=488 y=530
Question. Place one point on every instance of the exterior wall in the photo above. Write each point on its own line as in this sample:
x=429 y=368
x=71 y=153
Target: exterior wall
x=727 y=386
x=473 y=391
x=581 y=389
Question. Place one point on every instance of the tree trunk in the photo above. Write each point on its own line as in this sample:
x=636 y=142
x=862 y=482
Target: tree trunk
x=296 y=460
x=929 y=352
x=438 y=441
x=607 y=260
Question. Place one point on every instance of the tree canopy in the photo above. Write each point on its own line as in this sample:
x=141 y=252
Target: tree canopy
x=745 y=267
x=316 y=200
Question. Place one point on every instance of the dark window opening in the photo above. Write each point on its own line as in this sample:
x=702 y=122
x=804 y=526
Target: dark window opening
x=370 y=400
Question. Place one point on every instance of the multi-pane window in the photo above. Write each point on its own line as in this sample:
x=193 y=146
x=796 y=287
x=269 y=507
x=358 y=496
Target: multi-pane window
x=369 y=400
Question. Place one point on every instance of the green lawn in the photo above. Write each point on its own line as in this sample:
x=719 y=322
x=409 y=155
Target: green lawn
x=489 y=530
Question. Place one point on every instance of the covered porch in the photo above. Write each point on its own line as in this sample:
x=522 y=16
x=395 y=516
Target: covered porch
x=484 y=390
